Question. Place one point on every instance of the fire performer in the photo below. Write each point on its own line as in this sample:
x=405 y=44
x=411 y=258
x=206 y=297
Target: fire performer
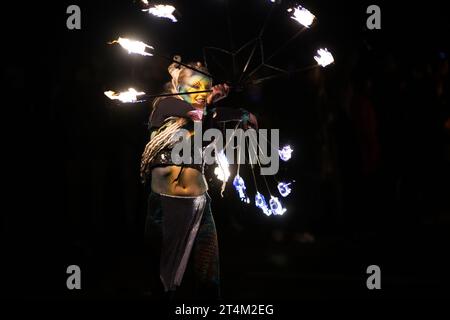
x=179 y=225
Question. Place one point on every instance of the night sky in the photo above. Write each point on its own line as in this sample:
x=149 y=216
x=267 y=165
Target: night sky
x=371 y=140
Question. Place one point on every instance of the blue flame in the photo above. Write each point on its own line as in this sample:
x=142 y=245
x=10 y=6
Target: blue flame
x=261 y=203
x=239 y=185
x=276 y=206
x=284 y=189
x=285 y=153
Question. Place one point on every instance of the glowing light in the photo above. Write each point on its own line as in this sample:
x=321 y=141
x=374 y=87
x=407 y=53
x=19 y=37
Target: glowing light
x=284 y=189
x=133 y=46
x=324 y=57
x=162 y=11
x=145 y=2
x=125 y=97
x=276 y=207
x=285 y=153
x=239 y=185
x=261 y=203
x=302 y=16
x=222 y=171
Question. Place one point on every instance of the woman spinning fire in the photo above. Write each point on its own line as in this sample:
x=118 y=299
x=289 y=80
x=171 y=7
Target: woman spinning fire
x=179 y=225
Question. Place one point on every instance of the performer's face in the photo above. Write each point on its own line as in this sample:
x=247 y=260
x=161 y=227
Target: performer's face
x=196 y=82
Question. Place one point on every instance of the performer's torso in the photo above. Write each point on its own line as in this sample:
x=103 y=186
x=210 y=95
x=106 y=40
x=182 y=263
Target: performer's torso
x=191 y=182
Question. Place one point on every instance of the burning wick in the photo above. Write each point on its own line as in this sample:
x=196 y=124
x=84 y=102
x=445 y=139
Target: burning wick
x=324 y=57
x=302 y=16
x=261 y=203
x=133 y=46
x=126 y=97
x=221 y=171
x=285 y=153
x=276 y=207
x=239 y=185
x=284 y=189
x=162 y=11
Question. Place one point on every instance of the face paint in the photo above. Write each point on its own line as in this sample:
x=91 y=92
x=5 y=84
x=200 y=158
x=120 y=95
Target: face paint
x=196 y=82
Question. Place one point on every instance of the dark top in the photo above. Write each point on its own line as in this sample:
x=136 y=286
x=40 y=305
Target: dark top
x=172 y=107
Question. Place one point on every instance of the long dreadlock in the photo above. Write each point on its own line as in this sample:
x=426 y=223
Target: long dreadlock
x=162 y=139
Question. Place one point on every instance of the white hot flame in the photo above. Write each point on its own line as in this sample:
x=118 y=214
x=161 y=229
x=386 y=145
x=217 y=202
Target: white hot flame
x=324 y=57
x=303 y=16
x=133 y=46
x=162 y=11
x=125 y=97
x=222 y=171
x=145 y=2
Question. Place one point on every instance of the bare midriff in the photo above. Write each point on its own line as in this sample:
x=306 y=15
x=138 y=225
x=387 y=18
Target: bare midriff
x=191 y=182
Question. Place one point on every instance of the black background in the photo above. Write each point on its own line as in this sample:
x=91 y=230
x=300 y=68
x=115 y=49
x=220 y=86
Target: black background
x=371 y=159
